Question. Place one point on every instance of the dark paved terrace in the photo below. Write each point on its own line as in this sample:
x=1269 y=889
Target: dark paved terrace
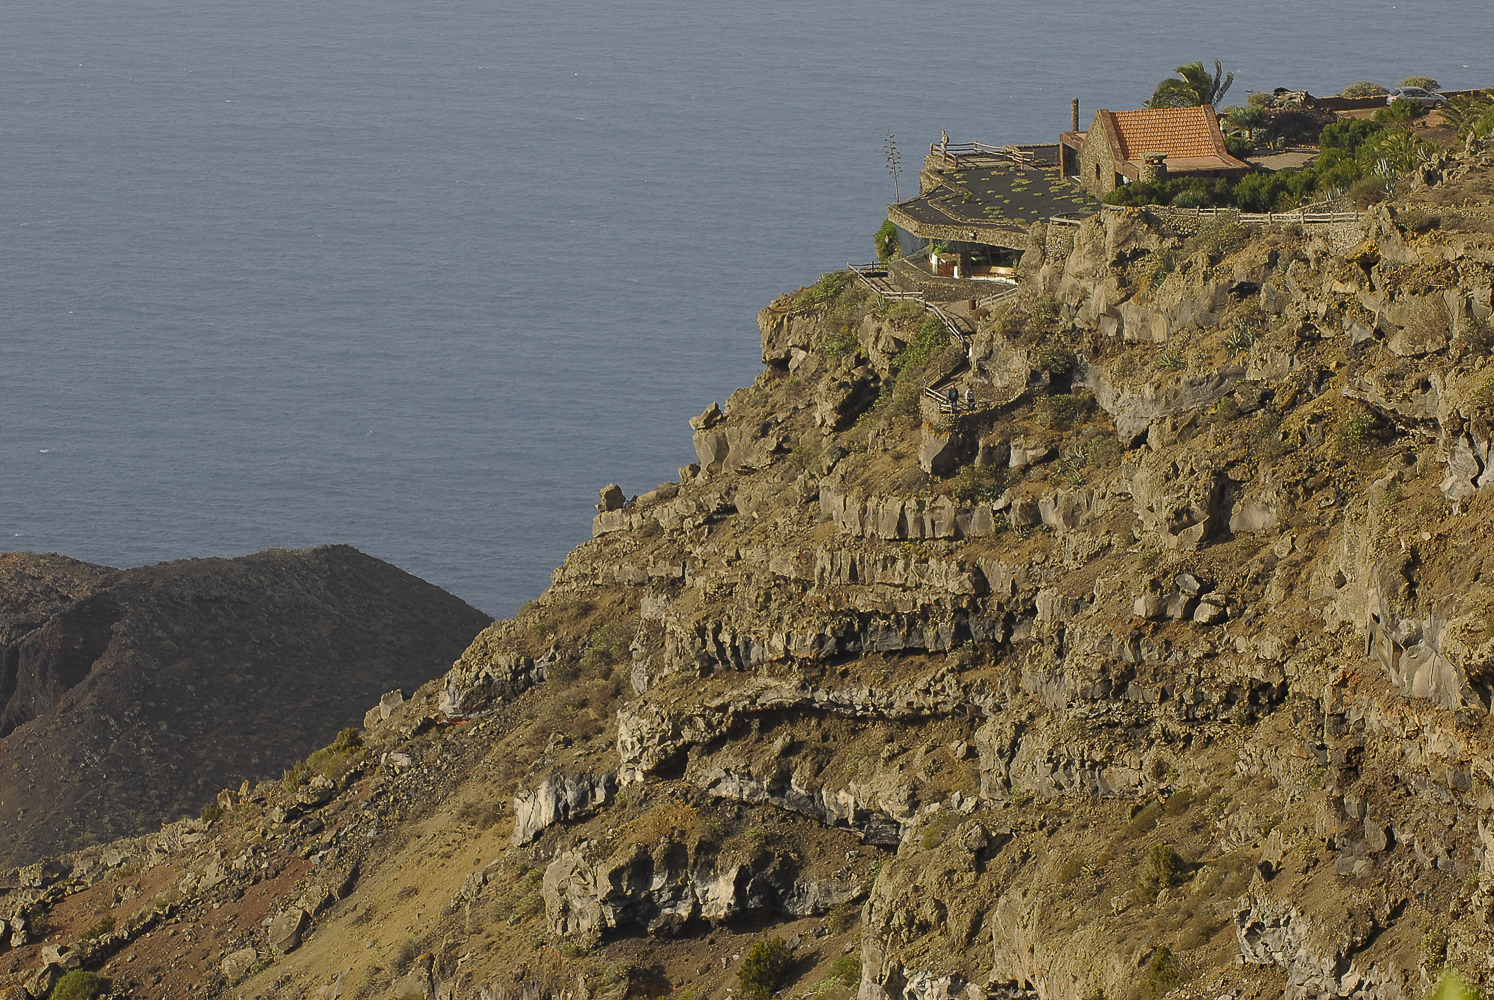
x=991 y=195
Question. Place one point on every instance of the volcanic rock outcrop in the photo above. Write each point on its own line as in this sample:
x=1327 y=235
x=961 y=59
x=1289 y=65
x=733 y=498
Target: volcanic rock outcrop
x=1164 y=667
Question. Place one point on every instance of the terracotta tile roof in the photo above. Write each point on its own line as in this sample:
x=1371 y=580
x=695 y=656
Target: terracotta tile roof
x=1174 y=131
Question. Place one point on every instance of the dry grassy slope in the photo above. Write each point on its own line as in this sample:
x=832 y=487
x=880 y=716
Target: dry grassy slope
x=1204 y=710
x=137 y=697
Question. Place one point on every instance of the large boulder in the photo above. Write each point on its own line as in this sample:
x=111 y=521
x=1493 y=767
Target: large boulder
x=236 y=964
x=286 y=929
x=559 y=798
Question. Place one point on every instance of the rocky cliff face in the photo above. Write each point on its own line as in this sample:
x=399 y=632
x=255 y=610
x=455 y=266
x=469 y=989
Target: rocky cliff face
x=1164 y=666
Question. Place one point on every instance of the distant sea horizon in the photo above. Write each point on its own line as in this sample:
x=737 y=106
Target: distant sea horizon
x=422 y=280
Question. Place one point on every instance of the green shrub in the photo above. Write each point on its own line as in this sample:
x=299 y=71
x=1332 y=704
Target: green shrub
x=1452 y=986
x=210 y=812
x=1348 y=153
x=828 y=287
x=1399 y=150
x=1161 y=869
x=1239 y=146
x=609 y=644
x=1368 y=191
x=1172 y=360
x=1219 y=237
x=763 y=968
x=936 y=829
x=1054 y=358
x=1063 y=411
x=1434 y=948
x=78 y=985
x=886 y=241
x=617 y=974
x=1424 y=82
x=1162 y=974
x=842 y=343
x=1401 y=112
x=1143 y=822
x=1364 y=88
x=102 y=926
x=842 y=918
x=1483 y=396
x=1357 y=432
x=846 y=969
x=1182 y=192
x=1349 y=136
x=974 y=483
x=1071 y=465
x=930 y=338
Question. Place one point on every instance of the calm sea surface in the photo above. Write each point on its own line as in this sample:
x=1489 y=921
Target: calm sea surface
x=422 y=277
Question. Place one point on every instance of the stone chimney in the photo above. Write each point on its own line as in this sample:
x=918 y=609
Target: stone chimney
x=1153 y=167
x=1074 y=111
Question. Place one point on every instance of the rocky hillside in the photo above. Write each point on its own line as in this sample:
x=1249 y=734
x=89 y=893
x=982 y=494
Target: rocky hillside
x=1163 y=668
x=130 y=698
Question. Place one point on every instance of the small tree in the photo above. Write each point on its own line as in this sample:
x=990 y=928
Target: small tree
x=763 y=968
x=1424 y=82
x=1364 y=88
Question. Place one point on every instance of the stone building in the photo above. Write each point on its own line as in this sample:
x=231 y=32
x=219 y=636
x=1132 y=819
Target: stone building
x=1147 y=144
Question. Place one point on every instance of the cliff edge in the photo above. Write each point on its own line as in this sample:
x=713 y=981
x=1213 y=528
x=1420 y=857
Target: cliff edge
x=1162 y=666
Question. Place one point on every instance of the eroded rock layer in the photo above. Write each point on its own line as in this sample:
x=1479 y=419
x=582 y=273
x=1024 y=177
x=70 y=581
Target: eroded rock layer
x=1162 y=665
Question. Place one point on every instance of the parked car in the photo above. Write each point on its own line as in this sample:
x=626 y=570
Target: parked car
x=1425 y=98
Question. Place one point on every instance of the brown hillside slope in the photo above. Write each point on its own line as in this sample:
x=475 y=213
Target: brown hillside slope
x=1172 y=678
x=133 y=696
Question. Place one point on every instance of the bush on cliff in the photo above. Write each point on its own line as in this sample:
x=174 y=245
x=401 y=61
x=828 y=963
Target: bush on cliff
x=78 y=985
x=1364 y=88
x=828 y=287
x=886 y=240
x=331 y=762
x=763 y=968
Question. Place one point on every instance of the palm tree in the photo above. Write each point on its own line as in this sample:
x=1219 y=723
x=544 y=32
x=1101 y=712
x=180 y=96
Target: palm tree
x=1192 y=87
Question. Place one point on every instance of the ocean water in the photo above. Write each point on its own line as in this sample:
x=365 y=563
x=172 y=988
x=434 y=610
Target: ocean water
x=423 y=277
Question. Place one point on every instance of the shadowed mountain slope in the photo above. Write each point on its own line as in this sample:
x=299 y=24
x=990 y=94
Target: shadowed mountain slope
x=131 y=697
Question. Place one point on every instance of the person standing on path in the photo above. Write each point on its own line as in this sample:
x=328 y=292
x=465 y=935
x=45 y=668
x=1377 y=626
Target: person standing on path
x=954 y=399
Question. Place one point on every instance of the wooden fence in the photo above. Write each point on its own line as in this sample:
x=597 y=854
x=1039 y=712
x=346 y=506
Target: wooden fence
x=868 y=275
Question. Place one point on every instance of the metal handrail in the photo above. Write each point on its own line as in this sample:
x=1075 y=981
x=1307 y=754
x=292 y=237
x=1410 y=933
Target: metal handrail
x=861 y=273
